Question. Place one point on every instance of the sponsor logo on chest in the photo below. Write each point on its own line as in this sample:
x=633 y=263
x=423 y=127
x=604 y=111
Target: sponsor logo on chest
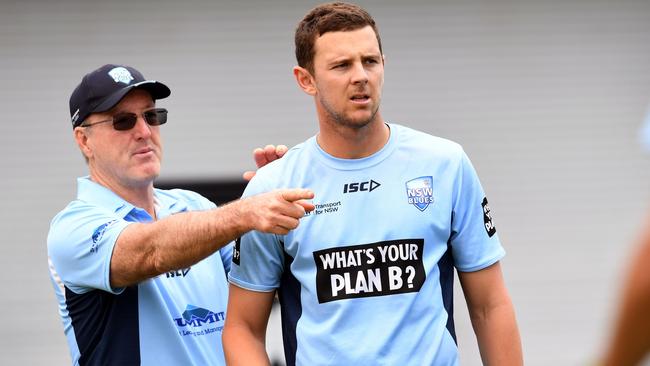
x=376 y=269
x=368 y=186
x=325 y=208
x=197 y=321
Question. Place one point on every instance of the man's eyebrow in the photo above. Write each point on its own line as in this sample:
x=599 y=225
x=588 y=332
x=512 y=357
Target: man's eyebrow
x=338 y=60
x=371 y=55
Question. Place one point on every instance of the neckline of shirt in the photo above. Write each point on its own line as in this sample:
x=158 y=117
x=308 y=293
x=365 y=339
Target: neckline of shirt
x=357 y=164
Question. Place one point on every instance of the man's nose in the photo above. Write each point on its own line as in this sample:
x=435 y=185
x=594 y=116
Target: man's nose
x=142 y=128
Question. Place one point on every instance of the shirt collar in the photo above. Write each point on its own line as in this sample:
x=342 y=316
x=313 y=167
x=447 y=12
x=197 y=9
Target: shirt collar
x=167 y=203
x=95 y=193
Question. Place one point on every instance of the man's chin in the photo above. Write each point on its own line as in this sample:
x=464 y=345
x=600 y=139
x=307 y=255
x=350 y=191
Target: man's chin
x=141 y=181
x=147 y=173
x=360 y=121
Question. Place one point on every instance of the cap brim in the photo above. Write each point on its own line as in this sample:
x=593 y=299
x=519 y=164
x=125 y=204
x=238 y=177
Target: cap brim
x=157 y=90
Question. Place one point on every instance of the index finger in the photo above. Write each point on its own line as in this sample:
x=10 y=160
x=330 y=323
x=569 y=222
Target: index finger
x=296 y=194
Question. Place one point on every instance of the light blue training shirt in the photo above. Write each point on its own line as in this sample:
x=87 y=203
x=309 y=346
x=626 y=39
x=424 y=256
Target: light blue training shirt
x=367 y=278
x=173 y=319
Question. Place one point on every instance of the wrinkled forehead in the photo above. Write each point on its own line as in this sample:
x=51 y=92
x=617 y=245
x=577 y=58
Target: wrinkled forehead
x=362 y=41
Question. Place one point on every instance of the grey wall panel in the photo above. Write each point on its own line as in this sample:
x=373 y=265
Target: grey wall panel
x=545 y=96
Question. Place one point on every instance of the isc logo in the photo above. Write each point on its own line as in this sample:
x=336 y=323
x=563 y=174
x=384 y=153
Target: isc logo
x=361 y=187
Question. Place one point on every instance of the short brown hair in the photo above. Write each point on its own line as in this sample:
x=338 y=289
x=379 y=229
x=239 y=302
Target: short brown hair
x=330 y=17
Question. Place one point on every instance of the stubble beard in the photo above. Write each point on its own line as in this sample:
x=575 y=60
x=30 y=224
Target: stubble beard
x=342 y=121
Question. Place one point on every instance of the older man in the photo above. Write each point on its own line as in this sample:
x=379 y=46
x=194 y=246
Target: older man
x=140 y=273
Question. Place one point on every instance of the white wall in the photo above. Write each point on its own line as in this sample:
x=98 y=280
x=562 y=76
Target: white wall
x=546 y=97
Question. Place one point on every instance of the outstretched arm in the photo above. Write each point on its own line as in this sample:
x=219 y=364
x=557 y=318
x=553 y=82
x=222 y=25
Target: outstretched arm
x=244 y=333
x=493 y=316
x=145 y=250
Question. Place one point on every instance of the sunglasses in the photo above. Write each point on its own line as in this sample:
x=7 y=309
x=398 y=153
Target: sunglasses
x=126 y=121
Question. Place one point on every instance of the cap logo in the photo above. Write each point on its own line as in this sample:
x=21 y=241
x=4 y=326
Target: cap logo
x=121 y=75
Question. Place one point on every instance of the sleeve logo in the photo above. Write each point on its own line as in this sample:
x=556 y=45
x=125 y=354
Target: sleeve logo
x=236 y=252
x=99 y=233
x=487 y=218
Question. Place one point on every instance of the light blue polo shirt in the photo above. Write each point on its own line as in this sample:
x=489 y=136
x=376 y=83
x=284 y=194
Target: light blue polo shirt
x=367 y=277
x=173 y=319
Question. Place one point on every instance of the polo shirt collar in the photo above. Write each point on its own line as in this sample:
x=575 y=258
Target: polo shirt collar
x=95 y=193
x=167 y=204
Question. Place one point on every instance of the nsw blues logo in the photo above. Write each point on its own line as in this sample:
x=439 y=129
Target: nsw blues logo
x=121 y=75
x=419 y=192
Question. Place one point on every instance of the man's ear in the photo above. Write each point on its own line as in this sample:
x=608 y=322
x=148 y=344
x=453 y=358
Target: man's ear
x=81 y=136
x=305 y=80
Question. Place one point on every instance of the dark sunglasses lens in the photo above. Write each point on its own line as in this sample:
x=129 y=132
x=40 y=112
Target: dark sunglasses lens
x=123 y=122
x=156 y=117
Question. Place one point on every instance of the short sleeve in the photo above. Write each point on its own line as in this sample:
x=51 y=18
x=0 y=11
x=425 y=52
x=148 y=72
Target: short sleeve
x=257 y=258
x=80 y=245
x=226 y=256
x=474 y=241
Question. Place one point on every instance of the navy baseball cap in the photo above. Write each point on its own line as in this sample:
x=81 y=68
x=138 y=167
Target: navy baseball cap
x=101 y=89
